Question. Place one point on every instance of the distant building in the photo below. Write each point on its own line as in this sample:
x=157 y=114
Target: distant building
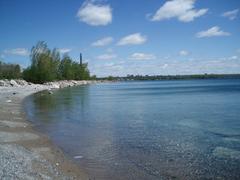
x=80 y=59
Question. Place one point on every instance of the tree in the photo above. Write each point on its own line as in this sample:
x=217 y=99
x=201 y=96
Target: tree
x=48 y=66
x=9 y=71
x=65 y=68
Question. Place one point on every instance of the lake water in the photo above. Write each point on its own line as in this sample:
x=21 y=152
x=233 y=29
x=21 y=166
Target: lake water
x=145 y=130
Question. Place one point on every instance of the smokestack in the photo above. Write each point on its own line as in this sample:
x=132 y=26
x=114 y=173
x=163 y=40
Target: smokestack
x=80 y=59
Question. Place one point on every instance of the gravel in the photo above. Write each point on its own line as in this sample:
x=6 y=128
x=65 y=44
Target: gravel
x=18 y=163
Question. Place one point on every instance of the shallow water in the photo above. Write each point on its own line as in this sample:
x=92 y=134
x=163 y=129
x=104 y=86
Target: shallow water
x=146 y=130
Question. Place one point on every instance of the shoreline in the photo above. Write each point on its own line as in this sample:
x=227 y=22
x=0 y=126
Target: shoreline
x=25 y=153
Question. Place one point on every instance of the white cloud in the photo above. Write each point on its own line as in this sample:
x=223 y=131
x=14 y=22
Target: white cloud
x=64 y=50
x=107 y=56
x=233 y=58
x=183 y=10
x=132 y=39
x=231 y=14
x=95 y=14
x=214 y=31
x=142 y=56
x=103 y=42
x=17 y=51
x=183 y=53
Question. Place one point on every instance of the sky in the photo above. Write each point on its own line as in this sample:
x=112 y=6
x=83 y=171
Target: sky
x=120 y=37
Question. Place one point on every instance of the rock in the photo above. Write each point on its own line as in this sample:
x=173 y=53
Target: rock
x=21 y=82
x=13 y=83
x=62 y=85
x=74 y=82
x=50 y=85
x=2 y=83
x=55 y=86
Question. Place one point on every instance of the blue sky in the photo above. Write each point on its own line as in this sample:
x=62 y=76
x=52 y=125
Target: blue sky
x=127 y=37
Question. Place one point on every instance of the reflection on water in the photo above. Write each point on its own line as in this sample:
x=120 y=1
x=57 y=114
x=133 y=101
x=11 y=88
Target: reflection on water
x=146 y=130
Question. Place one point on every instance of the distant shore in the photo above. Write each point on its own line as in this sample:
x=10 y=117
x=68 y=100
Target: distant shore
x=24 y=152
x=170 y=77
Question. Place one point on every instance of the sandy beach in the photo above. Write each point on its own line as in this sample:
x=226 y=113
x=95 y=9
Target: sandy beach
x=24 y=152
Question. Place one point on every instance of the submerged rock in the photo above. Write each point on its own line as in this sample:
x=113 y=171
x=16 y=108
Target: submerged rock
x=78 y=157
x=231 y=139
x=224 y=152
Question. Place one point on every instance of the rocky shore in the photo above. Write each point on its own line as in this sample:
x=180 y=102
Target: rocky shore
x=49 y=85
x=25 y=153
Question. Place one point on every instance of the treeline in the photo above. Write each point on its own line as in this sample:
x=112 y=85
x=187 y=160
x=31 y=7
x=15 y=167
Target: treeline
x=9 y=71
x=171 y=77
x=47 y=65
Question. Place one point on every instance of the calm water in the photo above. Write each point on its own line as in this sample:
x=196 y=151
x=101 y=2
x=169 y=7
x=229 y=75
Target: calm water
x=146 y=130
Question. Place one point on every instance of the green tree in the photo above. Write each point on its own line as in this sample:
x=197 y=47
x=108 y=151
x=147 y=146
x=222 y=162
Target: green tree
x=9 y=71
x=47 y=65
x=65 y=68
x=44 y=65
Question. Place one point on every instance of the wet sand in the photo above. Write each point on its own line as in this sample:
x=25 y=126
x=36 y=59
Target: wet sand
x=24 y=152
